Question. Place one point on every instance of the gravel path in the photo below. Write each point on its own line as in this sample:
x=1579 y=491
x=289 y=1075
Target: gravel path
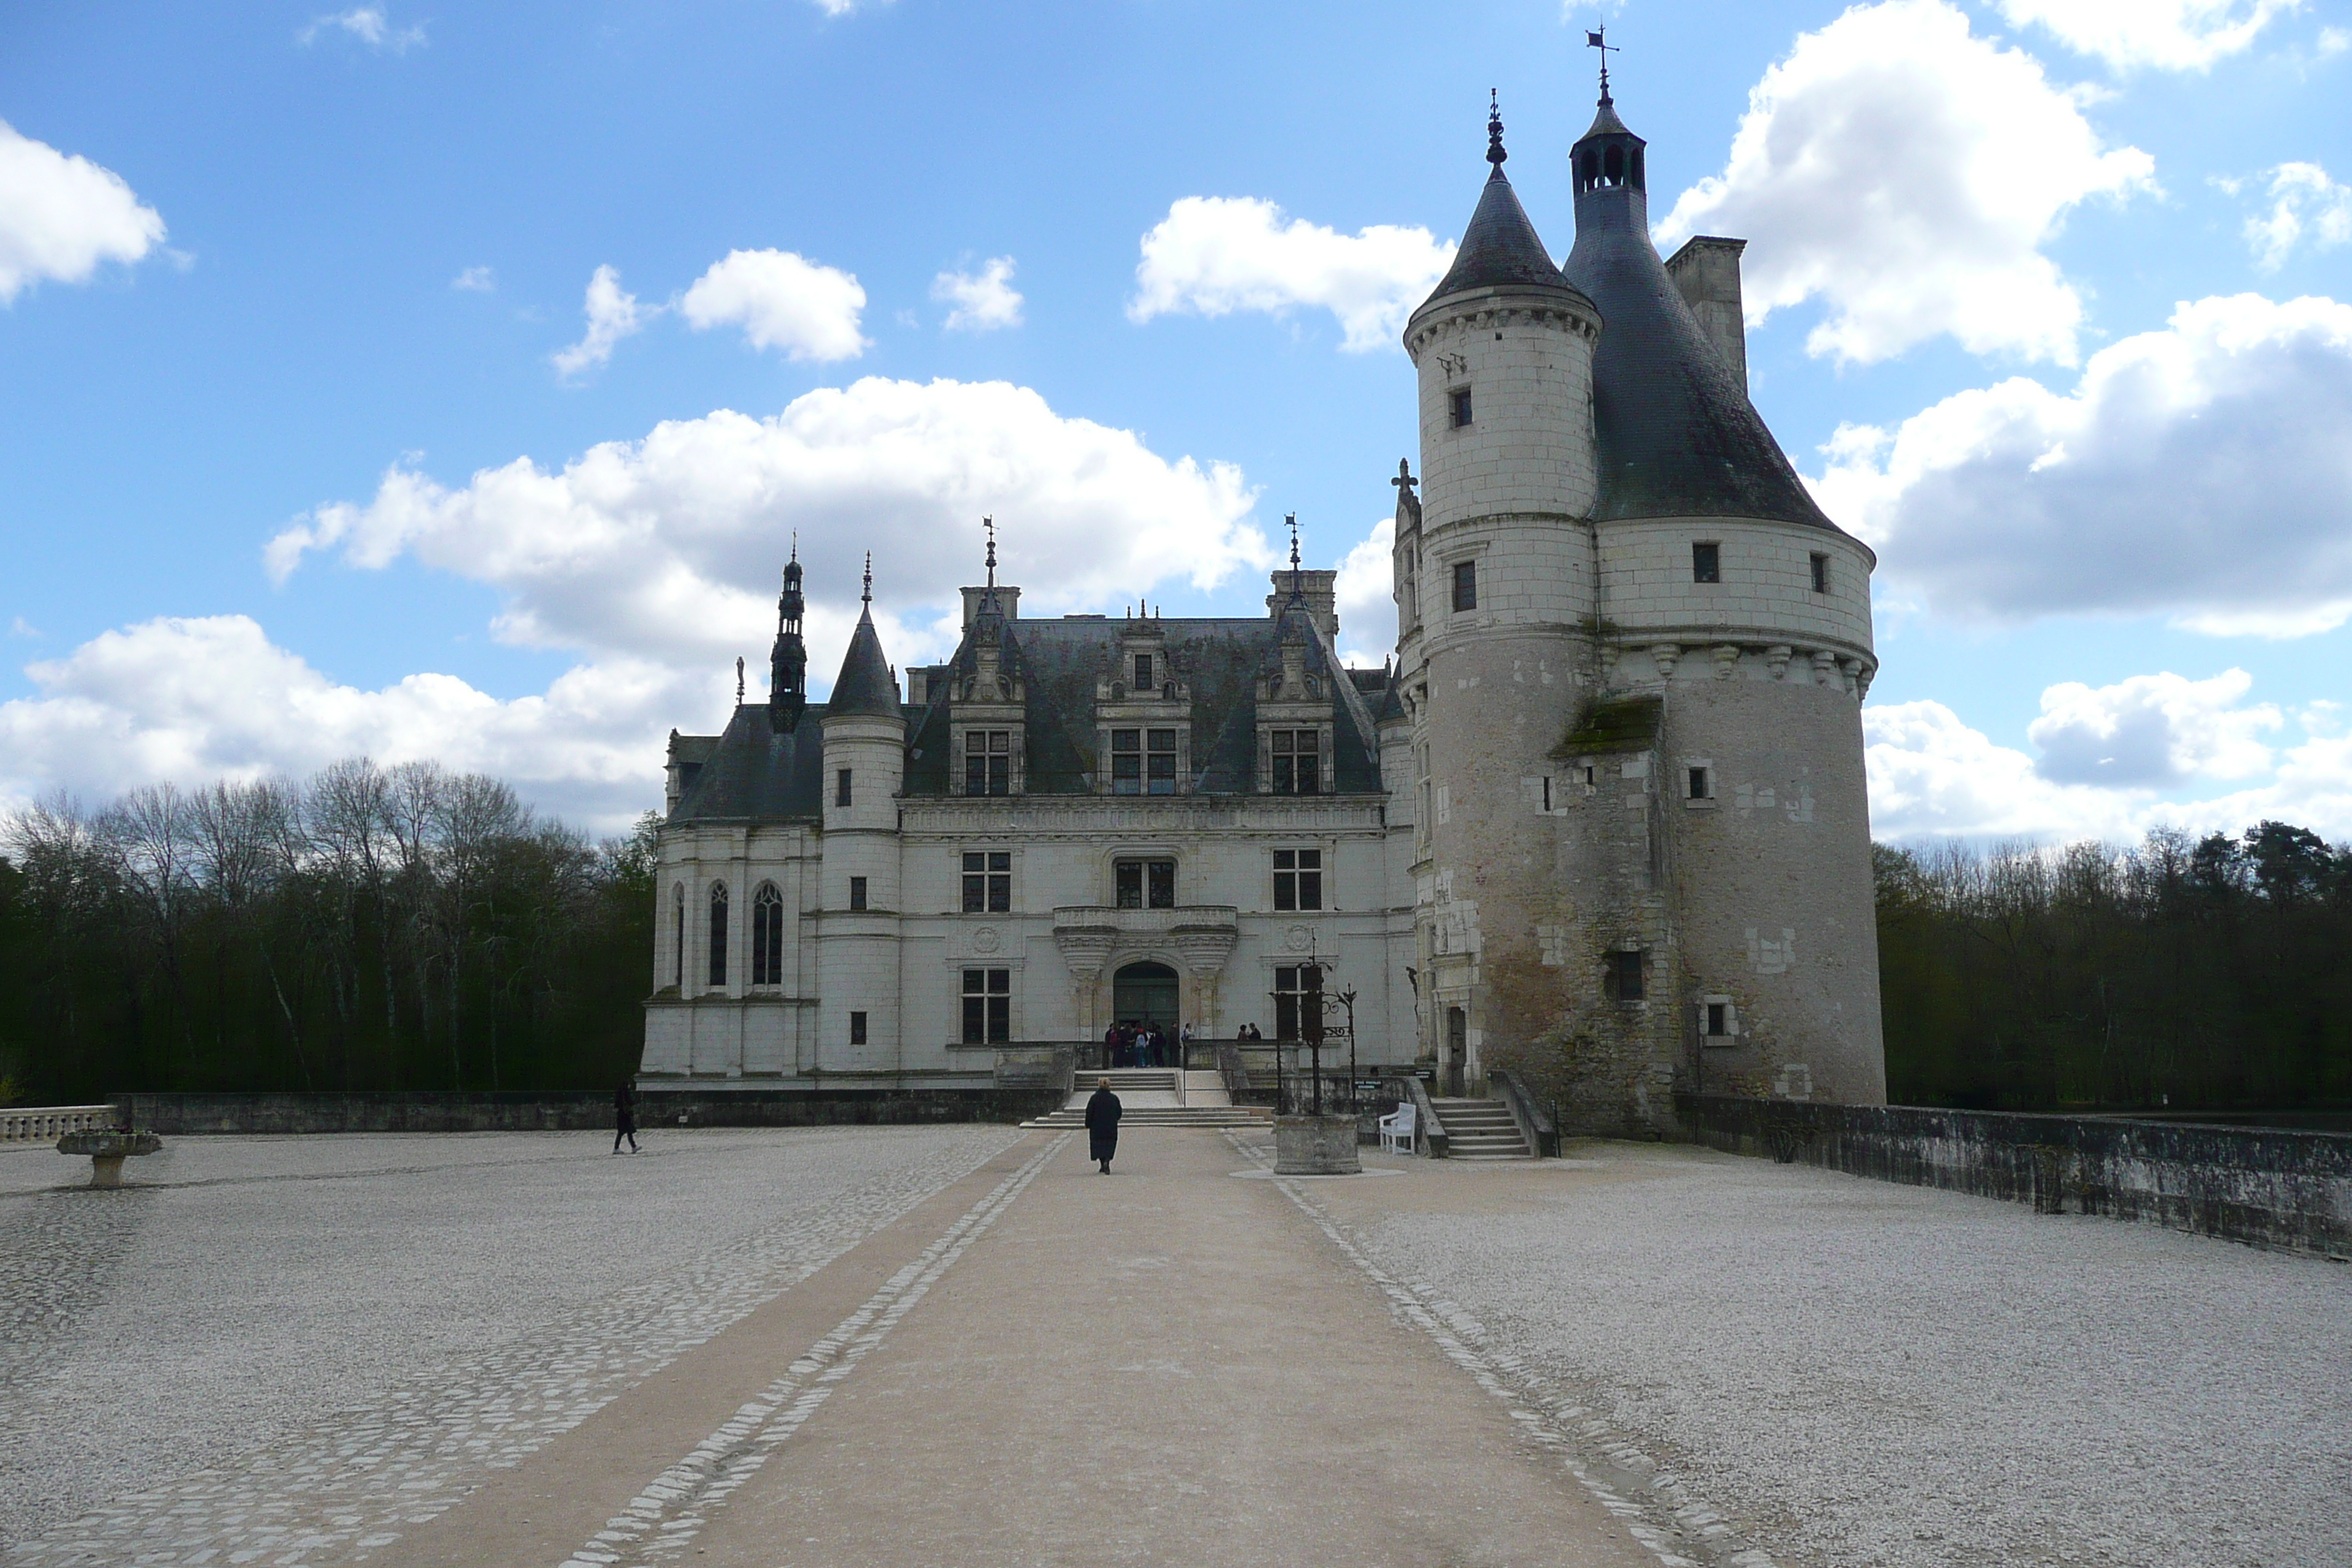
x=1860 y=1373
x=383 y=1314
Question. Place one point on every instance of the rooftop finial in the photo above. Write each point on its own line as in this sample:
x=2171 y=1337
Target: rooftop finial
x=739 y=680
x=867 y=597
x=990 y=524
x=1495 y=154
x=1297 y=585
x=1598 y=38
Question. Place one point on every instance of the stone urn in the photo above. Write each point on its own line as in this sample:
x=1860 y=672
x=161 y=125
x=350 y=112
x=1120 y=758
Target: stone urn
x=1316 y=1146
x=106 y=1151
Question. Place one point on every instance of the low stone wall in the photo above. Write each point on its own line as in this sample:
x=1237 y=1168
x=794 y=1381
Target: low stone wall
x=2268 y=1186
x=519 y=1111
x=47 y=1123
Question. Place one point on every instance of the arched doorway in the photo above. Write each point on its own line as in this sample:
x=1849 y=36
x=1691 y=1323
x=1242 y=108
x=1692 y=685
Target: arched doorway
x=1145 y=992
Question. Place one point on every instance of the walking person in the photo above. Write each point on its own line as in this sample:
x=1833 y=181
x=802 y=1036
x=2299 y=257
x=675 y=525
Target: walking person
x=1102 y=1125
x=625 y=1116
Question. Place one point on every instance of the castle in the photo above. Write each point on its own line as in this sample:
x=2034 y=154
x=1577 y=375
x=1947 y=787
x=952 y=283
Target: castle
x=1602 y=823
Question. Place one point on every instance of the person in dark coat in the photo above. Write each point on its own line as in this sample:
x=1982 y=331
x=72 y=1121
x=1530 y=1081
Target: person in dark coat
x=625 y=1116
x=1110 y=1047
x=1102 y=1125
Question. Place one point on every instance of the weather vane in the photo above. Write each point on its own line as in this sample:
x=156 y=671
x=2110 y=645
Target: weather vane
x=990 y=524
x=1598 y=38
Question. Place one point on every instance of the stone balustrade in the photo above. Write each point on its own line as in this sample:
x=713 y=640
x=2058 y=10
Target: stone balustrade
x=46 y=1123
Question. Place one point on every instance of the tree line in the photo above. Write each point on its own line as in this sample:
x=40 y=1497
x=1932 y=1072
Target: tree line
x=368 y=928
x=2197 y=974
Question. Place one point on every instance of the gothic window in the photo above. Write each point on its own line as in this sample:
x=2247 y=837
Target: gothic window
x=677 y=951
x=1624 y=976
x=988 y=762
x=1461 y=407
x=841 y=787
x=1465 y=585
x=857 y=892
x=1297 y=880
x=1297 y=1000
x=1706 y=562
x=718 y=933
x=1821 y=573
x=1298 y=762
x=987 y=1006
x=1146 y=884
x=767 y=936
x=987 y=881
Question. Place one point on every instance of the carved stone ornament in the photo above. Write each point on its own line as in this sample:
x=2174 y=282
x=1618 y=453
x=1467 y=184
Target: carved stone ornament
x=1298 y=939
x=1085 y=949
x=1727 y=661
x=1665 y=655
x=985 y=939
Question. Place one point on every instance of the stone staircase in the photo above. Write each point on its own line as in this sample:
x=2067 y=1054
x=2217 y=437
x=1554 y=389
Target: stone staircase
x=1147 y=1098
x=1481 y=1130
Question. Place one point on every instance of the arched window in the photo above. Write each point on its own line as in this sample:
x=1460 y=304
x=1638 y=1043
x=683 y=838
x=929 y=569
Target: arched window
x=1591 y=171
x=1613 y=164
x=718 y=933
x=767 y=936
x=677 y=948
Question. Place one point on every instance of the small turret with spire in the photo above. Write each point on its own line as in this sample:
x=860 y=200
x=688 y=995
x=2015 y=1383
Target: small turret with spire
x=788 y=661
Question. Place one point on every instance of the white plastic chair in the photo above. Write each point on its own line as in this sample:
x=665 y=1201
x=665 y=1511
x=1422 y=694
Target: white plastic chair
x=1397 y=1130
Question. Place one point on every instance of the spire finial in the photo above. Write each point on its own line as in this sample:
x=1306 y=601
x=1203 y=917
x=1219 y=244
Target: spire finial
x=1598 y=38
x=739 y=680
x=990 y=524
x=1495 y=154
x=1297 y=585
x=867 y=597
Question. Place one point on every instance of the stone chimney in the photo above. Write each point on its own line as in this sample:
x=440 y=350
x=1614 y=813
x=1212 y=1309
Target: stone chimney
x=1707 y=271
x=1317 y=589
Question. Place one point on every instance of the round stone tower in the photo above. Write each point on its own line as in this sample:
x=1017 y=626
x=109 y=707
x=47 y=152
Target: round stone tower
x=857 y=933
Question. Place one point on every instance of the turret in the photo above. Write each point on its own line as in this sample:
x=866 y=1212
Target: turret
x=865 y=771
x=788 y=660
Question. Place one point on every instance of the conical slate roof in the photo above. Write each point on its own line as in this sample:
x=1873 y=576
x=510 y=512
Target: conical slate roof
x=1676 y=435
x=1500 y=248
x=865 y=684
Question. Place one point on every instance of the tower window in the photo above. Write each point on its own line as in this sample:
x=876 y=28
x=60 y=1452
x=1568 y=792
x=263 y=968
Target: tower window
x=857 y=892
x=841 y=787
x=718 y=933
x=1820 y=573
x=1298 y=762
x=1146 y=884
x=858 y=1028
x=1719 y=1018
x=1461 y=407
x=1297 y=880
x=1625 y=976
x=1706 y=562
x=988 y=762
x=1465 y=585
x=987 y=1006
x=678 y=957
x=1701 y=783
x=1613 y=162
x=1142 y=673
x=988 y=881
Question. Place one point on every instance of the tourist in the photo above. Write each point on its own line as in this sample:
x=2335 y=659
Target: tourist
x=625 y=1116
x=1102 y=1125
x=1110 y=1047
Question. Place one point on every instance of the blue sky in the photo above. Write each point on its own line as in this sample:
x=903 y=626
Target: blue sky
x=444 y=382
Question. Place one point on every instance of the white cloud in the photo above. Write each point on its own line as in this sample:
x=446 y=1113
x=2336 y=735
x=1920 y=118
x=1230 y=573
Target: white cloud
x=192 y=699
x=613 y=314
x=2333 y=41
x=2200 y=471
x=18 y=627
x=369 y=25
x=1907 y=173
x=61 y=215
x=1215 y=255
x=1365 y=598
x=2165 y=34
x=982 y=302
x=476 y=279
x=843 y=7
x=2152 y=730
x=781 y=301
x=668 y=548
x=2304 y=203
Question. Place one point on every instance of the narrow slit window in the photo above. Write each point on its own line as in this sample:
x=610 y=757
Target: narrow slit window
x=1706 y=562
x=1820 y=573
x=987 y=1006
x=678 y=955
x=1465 y=585
x=841 y=787
x=718 y=933
x=858 y=1028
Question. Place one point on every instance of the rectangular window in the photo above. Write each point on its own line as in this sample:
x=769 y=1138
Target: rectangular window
x=1126 y=761
x=1144 y=684
x=987 y=881
x=1625 y=976
x=987 y=1006
x=858 y=1028
x=1821 y=573
x=1706 y=562
x=857 y=892
x=841 y=787
x=1298 y=762
x=1719 y=1018
x=1461 y=406
x=1465 y=585
x=1160 y=762
x=1546 y=791
x=1146 y=884
x=988 y=762
x=1297 y=880
x=1702 y=783
x=1298 y=1002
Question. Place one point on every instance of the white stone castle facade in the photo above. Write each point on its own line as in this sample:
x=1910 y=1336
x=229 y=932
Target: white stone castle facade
x=1602 y=822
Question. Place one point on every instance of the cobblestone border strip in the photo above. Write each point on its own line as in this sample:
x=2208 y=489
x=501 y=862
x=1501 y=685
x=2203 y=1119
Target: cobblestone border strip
x=1647 y=1499
x=661 y=1522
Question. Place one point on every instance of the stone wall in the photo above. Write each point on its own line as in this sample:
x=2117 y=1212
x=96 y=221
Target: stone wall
x=526 y=1111
x=2267 y=1186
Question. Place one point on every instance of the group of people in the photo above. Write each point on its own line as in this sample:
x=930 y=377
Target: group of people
x=1133 y=1044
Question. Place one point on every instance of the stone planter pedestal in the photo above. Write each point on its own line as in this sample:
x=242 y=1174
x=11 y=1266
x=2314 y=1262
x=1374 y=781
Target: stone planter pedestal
x=106 y=1151
x=1316 y=1146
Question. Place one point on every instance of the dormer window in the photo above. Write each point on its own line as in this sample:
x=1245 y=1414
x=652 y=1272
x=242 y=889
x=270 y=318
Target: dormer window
x=1298 y=762
x=1143 y=681
x=988 y=762
x=1143 y=762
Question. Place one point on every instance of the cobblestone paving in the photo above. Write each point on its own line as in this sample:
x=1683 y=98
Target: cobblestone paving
x=291 y=1349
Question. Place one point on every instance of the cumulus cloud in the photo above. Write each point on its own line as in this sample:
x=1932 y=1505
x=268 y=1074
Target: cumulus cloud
x=781 y=301
x=2161 y=35
x=979 y=301
x=613 y=314
x=2305 y=204
x=1215 y=254
x=2199 y=471
x=1365 y=596
x=2152 y=730
x=476 y=279
x=61 y=216
x=668 y=547
x=1907 y=173
x=369 y=26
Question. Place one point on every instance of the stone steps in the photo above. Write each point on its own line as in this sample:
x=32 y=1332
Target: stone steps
x=1480 y=1130
x=1167 y=1116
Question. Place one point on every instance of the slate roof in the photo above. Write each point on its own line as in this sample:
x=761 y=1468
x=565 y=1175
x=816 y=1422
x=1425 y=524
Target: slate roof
x=1676 y=435
x=753 y=772
x=865 y=684
x=1500 y=248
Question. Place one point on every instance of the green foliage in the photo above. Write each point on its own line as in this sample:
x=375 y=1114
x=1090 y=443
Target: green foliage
x=370 y=927
x=2206 y=974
